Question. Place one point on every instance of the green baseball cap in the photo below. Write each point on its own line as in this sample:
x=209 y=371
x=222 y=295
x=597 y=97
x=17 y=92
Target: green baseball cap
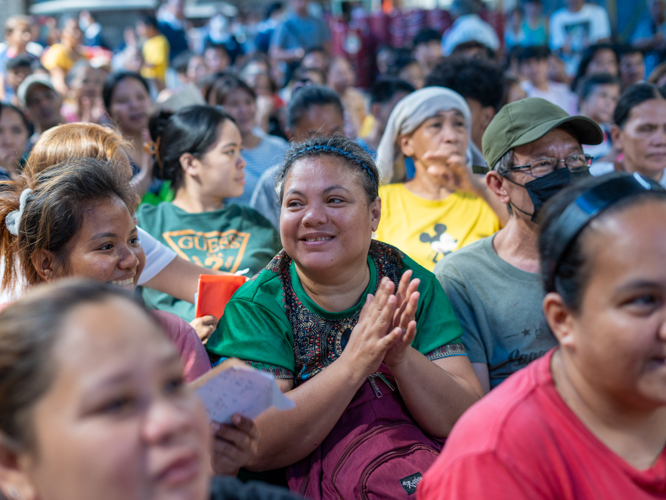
x=528 y=120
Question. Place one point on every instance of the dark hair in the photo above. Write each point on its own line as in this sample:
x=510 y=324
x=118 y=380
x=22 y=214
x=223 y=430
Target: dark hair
x=339 y=146
x=190 y=130
x=384 y=89
x=399 y=60
x=112 y=82
x=538 y=52
x=635 y=95
x=307 y=97
x=627 y=49
x=20 y=61
x=461 y=48
x=586 y=59
x=272 y=8
x=213 y=45
x=426 y=35
x=224 y=85
x=6 y=105
x=29 y=331
x=54 y=212
x=572 y=274
x=148 y=20
x=474 y=78
x=589 y=83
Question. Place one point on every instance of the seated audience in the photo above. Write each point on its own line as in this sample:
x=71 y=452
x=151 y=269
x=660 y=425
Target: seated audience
x=384 y=95
x=17 y=69
x=648 y=34
x=313 y=111
x=639 y=132
x=481 y=83
x=198 y=149
x=588 y=419
x=533 y=63
x=111 y=394
x=84 y=103
x=59 y=58
x=493 y=284
x=341 y=78
x=127 y=101
x=18 y=43
x=632 y=66
x=308 y=318
x=165 y=270
x=77 y=219
x=41 y=102
x=597 y=97
x=260 y=151
x=14 y=133
x=443 y=207
x=427 y=49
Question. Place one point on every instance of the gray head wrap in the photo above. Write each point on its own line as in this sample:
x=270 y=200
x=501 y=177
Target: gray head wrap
x=409 y=114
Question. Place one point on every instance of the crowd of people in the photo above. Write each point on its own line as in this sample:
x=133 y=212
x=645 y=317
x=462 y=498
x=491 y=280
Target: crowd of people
x=454 y=274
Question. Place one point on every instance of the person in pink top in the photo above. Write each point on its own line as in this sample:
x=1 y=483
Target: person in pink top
x=588 y=420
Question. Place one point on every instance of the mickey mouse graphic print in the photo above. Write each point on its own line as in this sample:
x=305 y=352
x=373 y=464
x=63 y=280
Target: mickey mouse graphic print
x=427 y=230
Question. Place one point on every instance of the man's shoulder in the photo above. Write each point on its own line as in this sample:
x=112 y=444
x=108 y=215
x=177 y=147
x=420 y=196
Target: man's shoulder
x=479 y=253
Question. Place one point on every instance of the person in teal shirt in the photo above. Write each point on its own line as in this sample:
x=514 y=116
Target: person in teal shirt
x=198 y=149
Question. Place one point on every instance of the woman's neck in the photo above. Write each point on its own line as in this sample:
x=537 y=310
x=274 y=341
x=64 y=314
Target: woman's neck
x=516 y=244
x=421 y=186
x=654 y=175
x=637 y=436
x=192 y=198
x=250 y=141
x=339 y=290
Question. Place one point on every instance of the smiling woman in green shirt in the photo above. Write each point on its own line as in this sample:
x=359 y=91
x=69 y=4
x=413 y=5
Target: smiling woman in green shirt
x=199 y=150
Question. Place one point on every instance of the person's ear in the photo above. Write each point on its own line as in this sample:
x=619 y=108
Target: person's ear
x=45 y=263
x=616 y=138
x=375 y=213
x=495 y=183
x=189 y=164
x=406 y=145
x=560 y=319
x=14 y=482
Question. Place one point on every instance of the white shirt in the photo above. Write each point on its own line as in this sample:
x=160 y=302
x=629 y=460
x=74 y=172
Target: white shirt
x=158 y=256
x=557 y=93
x=467 y=28
x=581 y=29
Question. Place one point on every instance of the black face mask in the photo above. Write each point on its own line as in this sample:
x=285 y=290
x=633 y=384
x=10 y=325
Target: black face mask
x=544 y=188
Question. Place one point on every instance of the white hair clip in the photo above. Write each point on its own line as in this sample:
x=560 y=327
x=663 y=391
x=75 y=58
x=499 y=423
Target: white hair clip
x=13 y=219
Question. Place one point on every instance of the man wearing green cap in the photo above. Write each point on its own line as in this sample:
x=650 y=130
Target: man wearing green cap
x=534 y=150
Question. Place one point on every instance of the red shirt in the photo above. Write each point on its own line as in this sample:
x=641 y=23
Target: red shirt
x=523 y=442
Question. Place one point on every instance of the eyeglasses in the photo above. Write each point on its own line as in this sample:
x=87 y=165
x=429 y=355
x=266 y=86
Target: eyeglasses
x=544 y=166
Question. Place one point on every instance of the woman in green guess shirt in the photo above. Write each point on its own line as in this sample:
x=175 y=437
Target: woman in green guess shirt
x=199 y=150
x=310 y=317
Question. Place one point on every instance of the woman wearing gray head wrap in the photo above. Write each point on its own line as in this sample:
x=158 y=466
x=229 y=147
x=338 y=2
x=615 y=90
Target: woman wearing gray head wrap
x=445 y=206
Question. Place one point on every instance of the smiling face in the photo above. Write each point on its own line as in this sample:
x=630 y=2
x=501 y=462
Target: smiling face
x=617 y=340
x=130 y=106
x=642 y=139
x=326 y=224
x=106 y=248
x=220 y=172
x=118 y=420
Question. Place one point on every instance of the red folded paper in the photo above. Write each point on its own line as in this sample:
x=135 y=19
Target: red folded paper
x=214 y=293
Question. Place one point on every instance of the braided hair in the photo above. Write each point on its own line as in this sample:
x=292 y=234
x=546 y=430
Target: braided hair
x=353 y=155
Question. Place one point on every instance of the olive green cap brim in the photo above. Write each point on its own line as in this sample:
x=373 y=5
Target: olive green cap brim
x=528 y=120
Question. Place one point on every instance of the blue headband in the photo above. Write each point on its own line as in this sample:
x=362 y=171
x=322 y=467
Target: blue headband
x=343 y=153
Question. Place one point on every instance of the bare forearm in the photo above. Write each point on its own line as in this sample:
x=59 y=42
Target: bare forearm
x=435 y=397
x=180 y=279
x=289 y=436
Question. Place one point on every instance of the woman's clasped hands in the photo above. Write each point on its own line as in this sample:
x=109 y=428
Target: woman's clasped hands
x=386 y=326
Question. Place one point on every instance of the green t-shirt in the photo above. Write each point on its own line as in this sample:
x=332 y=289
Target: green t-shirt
x=273 y=323
x=229 y=239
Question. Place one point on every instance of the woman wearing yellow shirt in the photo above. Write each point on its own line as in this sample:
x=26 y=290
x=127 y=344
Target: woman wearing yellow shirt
x=59 y=58
x=444 y=207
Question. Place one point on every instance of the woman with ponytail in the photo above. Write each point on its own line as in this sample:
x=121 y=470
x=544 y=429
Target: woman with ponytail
x=198 y=149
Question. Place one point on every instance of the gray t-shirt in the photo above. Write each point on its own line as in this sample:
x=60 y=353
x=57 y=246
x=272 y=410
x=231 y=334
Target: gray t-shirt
x=264 y=199
x=499 y=308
